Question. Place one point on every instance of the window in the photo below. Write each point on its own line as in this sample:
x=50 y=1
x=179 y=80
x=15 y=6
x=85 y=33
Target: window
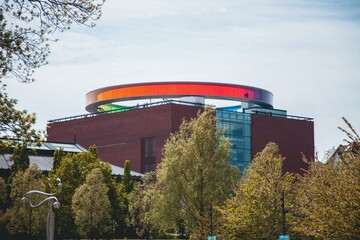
x=148 y=147
x=148 y=154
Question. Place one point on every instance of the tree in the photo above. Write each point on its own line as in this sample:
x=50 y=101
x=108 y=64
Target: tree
x=119 y=205
x=58 y=155
x=328 y=201
x=141 y=201
x=19 y=217
x=93 y=150
x=121 y=212
x=119 y=201
x=2 y=191
x=352 y=135
x=15 y=124
x=195 y=175
x=72 y=171
x=256 y=211
x=3 y=201
x=328 y=196
x=91 y=206
x=24 y=47
x=126 y=178
x=20 y=159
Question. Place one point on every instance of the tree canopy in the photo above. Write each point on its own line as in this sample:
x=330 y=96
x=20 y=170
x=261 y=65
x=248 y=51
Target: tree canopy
x=20 y=159
x=3 y=200
x=58 y=155
x=126 y=178
x=256 y=212
x=73 y=170
x=91 y=206
x=328 y=196
x=26 y=27
x=15 y=124
x=19 y=217
x=194 y=175
x=141 y=200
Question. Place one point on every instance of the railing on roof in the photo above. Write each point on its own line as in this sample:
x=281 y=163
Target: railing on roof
x=281 y=115
x=125 y=109
x=167 y=101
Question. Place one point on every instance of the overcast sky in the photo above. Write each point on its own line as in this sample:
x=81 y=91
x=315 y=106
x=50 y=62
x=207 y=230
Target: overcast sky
x=307 y=53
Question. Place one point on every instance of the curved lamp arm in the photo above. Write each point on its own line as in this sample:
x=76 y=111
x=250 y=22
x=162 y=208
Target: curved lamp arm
x=53 y=203
x=50 y=197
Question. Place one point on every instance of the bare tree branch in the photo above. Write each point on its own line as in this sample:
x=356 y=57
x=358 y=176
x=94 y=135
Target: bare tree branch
x=24 y=47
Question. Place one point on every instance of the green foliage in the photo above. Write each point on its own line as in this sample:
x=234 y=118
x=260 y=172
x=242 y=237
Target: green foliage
x=255 y=211
x=118 y=199
x=126 y=178
x=328 y=201
x=353 y=136
x=194 y=175
x=24 y=47
x=141 y=200
x=16 y=130
x=3 y=202
x=328 y=196
x=18 y=215
x=15 y=124
x=91 y=206
x=2 y=191
x=58 y=155
x=121 y=205
x=20 y=158
x=73 y=171
x=93 y=150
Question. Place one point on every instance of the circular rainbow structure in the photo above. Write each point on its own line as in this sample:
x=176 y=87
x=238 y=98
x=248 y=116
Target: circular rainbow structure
x=208 y=90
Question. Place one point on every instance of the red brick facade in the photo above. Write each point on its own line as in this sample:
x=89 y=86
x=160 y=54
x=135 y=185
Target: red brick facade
x=118 y=135
x=127 y=135
x=294 y=138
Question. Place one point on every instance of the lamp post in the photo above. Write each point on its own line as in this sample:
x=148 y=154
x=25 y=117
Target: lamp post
x=283 y=213
x=52 y=201
x=211 y=237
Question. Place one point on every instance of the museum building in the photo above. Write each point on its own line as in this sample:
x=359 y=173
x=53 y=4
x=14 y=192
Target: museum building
x=133 y=121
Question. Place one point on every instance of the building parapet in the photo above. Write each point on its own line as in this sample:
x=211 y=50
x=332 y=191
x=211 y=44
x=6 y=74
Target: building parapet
x=258 y=111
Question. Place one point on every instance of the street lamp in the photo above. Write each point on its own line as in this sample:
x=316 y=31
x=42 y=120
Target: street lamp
x=53 y=203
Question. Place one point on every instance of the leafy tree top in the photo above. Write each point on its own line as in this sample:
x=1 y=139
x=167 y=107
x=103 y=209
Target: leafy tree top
x=194 y=175
x=126 y=178
x=17 y=216
x=328 y=195
x=15 y=124
x=58 y=155
x=255 y=211
x=91 y=205
x=20 y=159
x=24 y=40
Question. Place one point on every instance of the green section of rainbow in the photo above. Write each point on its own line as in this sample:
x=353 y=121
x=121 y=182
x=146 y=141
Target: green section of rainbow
x=112 y=107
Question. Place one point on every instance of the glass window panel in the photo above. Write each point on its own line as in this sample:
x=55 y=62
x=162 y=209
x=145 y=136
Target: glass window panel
x=238 y=129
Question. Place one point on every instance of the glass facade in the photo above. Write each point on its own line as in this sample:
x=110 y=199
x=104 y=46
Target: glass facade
x=238 y=129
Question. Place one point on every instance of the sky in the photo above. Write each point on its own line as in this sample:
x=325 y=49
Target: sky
x=306 y=52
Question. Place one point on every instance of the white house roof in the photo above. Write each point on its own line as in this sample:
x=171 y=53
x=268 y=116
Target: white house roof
x=44 y=159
